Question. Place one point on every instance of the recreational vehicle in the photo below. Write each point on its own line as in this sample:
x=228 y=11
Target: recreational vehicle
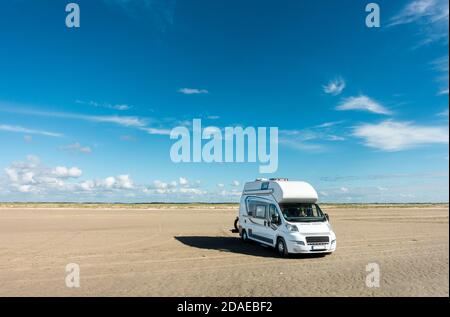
x=285 y=215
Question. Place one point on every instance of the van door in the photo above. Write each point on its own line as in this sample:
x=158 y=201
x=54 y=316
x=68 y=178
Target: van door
x=259 y=220
x=270 y=230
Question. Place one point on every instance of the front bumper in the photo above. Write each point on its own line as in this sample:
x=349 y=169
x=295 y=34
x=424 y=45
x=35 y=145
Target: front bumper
x=297 y=247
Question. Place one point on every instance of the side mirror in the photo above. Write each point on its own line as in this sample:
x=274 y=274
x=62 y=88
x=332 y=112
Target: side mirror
x=327 y=217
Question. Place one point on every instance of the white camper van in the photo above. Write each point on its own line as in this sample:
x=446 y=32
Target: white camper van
x=284 y=214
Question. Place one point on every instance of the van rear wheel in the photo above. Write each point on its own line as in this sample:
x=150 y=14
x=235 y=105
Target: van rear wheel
x=281 y=248
x=244 y=236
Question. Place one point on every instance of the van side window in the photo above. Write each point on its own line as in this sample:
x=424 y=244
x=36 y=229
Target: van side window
x=251 y=207
x=272 y=211
x=261 y=210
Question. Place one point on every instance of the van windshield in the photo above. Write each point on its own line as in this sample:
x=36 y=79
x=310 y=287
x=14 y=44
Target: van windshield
x=302 y=212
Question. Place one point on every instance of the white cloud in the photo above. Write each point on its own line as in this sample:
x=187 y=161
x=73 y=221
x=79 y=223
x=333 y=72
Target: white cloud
x=334 y=87
x=124 y=182
x=19 y=129
x=31 y=176
x=175 y=189
x=64 y=172
x=430 y=15
x=344 y=189
x=362 y=103
x=173 y=184
x=396 y=136
x=235 y=183
x=220 y=185
x=30 y=180
x=230 y=193
x=109 y=181
x=192 y=91
x=160 y=185
x=183 y=181
x=76 y=148
x=195 y=191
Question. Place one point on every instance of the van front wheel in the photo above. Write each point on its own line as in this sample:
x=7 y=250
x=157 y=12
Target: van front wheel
x=281 y=248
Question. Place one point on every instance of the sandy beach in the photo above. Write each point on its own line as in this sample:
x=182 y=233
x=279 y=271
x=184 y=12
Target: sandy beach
x=182 y=251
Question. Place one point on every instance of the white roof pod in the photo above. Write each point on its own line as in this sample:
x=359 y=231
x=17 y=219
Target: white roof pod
x=283 y=191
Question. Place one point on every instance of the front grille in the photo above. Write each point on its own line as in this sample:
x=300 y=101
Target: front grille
x=317 y=240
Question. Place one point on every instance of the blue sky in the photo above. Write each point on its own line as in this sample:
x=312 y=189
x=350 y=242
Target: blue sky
x=85 y=112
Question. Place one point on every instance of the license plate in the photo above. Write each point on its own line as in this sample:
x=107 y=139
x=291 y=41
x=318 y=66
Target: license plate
x=318 y=247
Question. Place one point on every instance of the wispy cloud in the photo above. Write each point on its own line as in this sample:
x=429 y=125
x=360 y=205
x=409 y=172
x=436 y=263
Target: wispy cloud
x=156 y=131
x=126 y=121
x=375 y=177
x=192 y=91
x=128 y=138
x=440 y=65
x=430 y=15
x=19 y=129
x=328 y=124
x=363 y=103
x=443 y=113
x=76 y=148
x=396 y=136
x=159 y=13
x=311 y=139
x=334 y=87
x=120 y=107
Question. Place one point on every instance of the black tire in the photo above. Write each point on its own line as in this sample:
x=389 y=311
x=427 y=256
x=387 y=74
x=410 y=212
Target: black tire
x=282 y=248
x=244 y=236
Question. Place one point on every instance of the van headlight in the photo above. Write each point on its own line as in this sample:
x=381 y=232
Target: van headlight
x=291 y=228
x=333 y=242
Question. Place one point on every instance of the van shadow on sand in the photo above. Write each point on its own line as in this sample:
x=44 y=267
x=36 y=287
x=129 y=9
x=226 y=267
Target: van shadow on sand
x=233 y=245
